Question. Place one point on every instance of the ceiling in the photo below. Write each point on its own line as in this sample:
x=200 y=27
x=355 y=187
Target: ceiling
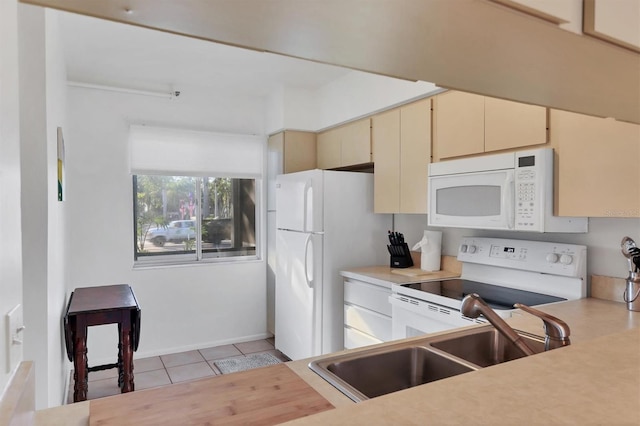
x=108 y=53
x=477 y=46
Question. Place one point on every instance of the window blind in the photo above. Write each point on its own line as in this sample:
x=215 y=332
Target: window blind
x=192 y=153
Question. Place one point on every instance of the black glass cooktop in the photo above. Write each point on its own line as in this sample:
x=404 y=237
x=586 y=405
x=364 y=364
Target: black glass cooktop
x=495 y=296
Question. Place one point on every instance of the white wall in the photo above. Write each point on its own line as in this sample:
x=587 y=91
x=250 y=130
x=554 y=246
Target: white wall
x=274 y=111
x=33 y=151
x=184 y=307
x=10 y=219
x=43 y=109
x=351 y=96
x=357 y=94
x=602 y=240
x=56 y=297
x=300 y=108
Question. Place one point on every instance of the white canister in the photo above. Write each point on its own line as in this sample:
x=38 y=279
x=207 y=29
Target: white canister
x=430 y=247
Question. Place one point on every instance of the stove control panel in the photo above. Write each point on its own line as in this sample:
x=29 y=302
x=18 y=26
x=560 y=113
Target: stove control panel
x=537 y=256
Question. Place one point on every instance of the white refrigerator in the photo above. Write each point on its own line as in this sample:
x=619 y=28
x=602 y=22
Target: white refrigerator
x=325 y=223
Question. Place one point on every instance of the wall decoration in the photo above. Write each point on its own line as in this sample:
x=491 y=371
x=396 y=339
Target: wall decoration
x=60 y=165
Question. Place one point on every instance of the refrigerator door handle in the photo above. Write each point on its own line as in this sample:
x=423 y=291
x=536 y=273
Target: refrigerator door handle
x=307 y=187
x=306 y=262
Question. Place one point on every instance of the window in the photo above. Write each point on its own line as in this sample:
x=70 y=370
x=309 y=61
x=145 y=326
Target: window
x=195 y=194
x=186 y=219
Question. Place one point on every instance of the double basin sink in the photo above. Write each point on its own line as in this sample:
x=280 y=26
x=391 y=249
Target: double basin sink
x=369 y=373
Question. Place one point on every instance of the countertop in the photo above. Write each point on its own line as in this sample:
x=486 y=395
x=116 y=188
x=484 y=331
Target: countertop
x=596 y=380
x=385 y=276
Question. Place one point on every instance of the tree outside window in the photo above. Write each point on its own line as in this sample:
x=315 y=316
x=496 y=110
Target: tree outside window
x=193 y=218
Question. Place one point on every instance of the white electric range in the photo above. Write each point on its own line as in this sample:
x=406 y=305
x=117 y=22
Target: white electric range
x=502 y=272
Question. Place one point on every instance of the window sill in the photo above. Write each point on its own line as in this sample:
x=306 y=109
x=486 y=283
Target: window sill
x=191 y=263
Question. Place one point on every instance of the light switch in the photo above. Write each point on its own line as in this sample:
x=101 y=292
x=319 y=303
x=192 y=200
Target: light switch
x=15 y=337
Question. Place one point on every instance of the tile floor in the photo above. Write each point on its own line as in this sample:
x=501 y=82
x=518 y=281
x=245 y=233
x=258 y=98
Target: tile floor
x=173 y=368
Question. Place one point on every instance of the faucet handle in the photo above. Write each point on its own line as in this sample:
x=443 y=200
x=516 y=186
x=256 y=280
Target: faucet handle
x=557 y=331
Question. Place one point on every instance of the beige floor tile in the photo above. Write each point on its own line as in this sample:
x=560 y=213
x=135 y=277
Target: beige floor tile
x=214 y=367
x=183 y=373
x=181 y=358
x=254 y=346
x=173 y=368
x=103 y=374
x=147 y=364
x=102 y=388
x=282 y=357
x=219 y=352
x=151 y=379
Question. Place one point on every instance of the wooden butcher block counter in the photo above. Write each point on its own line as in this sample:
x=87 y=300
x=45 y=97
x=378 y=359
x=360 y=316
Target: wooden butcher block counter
x=263 y=396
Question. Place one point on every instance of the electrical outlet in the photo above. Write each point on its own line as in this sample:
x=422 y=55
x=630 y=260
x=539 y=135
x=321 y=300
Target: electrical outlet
x=15 y=337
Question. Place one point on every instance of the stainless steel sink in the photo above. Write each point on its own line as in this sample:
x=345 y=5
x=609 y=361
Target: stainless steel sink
x=485 y=348
x=369 y=373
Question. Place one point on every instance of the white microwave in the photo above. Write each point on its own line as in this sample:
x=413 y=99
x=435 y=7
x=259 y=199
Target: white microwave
x=511 y=191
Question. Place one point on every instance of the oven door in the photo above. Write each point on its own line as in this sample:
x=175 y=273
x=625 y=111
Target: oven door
x=483 y=200
x=412 y=317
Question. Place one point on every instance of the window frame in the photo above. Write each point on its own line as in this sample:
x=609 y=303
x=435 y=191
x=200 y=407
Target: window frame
x=197 y=256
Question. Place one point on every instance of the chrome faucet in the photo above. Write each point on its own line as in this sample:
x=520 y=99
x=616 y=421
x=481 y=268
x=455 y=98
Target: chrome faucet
x=473 y=306
x=556 y=331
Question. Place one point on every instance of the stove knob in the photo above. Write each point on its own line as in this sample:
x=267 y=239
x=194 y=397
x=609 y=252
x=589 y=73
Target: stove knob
x=566 y=259
x=472 y=249
x=463 y=248
x=552 y=258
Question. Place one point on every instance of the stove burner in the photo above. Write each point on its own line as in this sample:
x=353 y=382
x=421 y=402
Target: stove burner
x=497 y=297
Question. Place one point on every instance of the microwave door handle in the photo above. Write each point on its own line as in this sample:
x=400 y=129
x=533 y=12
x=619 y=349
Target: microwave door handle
x=509 y=199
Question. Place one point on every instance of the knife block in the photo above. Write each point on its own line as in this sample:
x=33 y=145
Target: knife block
x=400 y=256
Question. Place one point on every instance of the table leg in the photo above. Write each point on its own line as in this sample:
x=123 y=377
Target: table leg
x=120 y=369
x=80 y=374
x=127 y=357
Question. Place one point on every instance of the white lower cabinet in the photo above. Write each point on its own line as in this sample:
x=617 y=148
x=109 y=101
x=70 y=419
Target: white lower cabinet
x=367 y=314
x=356 y=339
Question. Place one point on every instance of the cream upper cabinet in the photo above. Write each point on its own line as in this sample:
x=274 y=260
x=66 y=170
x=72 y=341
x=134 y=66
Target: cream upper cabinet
x=402 y=152
x=329 y=149
x=598 y=173
x=345 y=146
x=415 y=156
x=566 y=13
x=356 y=143
x=458 y=125
x=467 y=124
x=299 y=151
x=617 y=21
x=287 y=152
x=385 y=130
x=510 y=125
